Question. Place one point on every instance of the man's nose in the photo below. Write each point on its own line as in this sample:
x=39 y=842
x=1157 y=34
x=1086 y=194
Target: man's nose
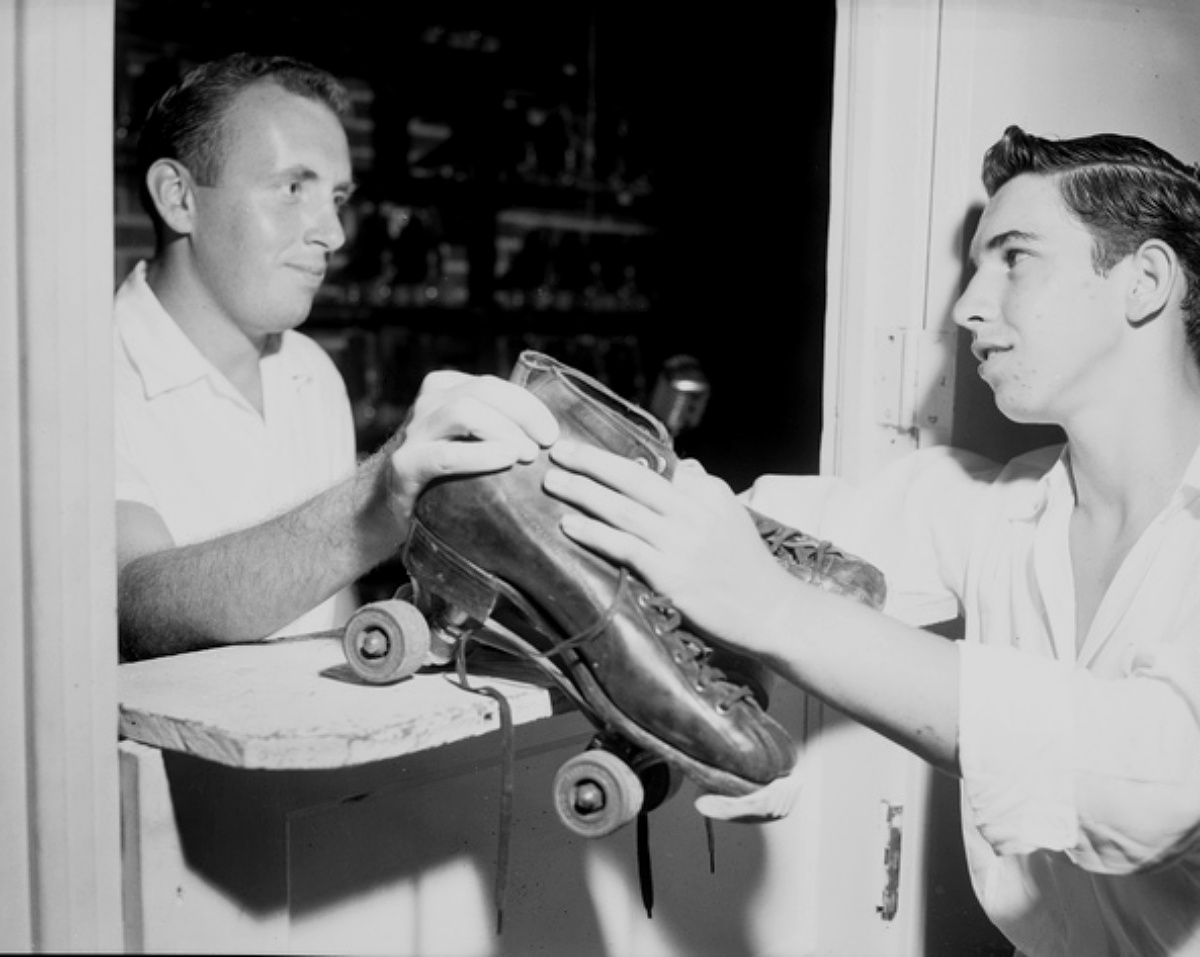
x=327 y=228
x=973 y=304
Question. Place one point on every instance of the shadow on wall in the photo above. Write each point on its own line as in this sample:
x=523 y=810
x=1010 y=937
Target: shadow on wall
x=399 y=856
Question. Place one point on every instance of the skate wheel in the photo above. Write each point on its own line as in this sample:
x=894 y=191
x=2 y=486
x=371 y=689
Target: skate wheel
x=386 y=641
x=597 y=793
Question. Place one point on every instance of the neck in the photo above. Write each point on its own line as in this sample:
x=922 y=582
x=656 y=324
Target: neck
x=1131 y=473
x=1131 y=441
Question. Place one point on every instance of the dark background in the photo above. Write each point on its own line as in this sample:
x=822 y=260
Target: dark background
x=727 y=112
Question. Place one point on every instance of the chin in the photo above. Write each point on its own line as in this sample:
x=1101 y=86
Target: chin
x=294 y=317
x=1023 y=414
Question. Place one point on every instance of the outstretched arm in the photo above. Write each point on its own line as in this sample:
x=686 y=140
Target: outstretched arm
x=693 y=540
x=245 y=585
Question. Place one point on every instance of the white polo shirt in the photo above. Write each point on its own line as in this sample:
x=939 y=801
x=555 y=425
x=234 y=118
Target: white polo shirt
x=192 y=448
x=1080 y=768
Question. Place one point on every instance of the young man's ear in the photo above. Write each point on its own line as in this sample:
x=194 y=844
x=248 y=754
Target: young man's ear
x=1156 y=278
x=171 y=188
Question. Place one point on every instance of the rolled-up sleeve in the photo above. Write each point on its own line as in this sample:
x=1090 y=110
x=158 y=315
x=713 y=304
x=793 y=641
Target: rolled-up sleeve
x=1106 y=770
x=1079 y=760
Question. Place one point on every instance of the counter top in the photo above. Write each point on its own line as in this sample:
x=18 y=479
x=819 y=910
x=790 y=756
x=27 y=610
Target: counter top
x=297 y=705
x=294 y=705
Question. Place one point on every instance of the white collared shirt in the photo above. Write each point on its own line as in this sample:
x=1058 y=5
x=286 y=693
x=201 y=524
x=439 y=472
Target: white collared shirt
x=192 y=448
x=1081 y=771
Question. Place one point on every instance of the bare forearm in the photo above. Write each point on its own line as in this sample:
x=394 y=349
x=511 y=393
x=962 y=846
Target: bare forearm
x=245 y=585
x=899 y=680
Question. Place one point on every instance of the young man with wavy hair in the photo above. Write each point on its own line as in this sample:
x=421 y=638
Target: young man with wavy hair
x=1071 y=710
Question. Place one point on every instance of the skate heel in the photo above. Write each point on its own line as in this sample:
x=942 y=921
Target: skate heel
x=446 y=574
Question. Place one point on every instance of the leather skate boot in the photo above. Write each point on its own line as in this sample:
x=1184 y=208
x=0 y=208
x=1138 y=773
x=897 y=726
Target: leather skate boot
x=812 y=560
x=822 y=563
x=491 y=546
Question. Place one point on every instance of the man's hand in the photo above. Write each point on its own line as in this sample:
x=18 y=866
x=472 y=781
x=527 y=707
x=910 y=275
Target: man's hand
x=690 y=539
x=464 y=424
x=768 y=803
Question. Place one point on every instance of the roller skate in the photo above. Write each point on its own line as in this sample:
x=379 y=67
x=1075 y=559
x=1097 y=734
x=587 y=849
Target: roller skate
x=489 y=565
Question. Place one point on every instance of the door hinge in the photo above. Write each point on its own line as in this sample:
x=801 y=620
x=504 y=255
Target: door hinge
x=914 y=380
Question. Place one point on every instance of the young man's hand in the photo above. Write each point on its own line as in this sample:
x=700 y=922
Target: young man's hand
x=689 y=538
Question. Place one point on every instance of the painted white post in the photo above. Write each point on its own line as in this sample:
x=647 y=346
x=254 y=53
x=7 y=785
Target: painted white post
x=59 y=802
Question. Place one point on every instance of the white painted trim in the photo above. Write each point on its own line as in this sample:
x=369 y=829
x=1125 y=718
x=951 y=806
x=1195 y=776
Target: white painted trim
x=57 y=564
x=882 y=164
x=16 y=916
x=888 y=378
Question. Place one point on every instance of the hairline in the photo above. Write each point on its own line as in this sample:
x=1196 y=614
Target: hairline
x=221 y=147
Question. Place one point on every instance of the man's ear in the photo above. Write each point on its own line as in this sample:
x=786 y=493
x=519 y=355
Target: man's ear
x=170 y=187
x=1157 y=277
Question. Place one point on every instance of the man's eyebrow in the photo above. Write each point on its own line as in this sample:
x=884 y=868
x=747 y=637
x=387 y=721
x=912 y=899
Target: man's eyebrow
x=1000 y=240
x=297 y=171
x=1011 y=236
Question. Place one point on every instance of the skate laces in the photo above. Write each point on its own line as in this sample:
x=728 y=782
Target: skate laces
x=691 y=654
x=688 y=652
x=801 y=549
x=507 y=774
x=823 y=564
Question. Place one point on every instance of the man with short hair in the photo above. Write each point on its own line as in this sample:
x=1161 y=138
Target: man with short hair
x=241 y=513
x=1071 y=711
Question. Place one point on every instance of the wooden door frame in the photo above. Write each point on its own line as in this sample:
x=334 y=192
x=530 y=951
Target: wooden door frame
x=59 y=796
x=902 y=89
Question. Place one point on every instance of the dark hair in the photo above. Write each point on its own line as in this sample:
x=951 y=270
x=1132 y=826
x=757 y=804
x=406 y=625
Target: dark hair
x=187 y=122
x=1123 y=189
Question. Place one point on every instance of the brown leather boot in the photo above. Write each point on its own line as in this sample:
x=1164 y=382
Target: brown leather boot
x=822 y=563
x=491 y=546
x=810 y=559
